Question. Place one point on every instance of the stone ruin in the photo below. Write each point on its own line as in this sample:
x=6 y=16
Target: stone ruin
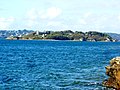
x=113 y=71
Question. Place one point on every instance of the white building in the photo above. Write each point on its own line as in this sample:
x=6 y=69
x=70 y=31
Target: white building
x=37 y=32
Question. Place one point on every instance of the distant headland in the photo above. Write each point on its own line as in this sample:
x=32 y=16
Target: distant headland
x=65 y=35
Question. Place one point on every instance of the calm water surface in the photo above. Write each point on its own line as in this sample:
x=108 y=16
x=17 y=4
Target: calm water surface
x=54 y=65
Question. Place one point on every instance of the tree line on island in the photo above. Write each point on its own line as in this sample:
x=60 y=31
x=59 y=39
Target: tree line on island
x=65 y=35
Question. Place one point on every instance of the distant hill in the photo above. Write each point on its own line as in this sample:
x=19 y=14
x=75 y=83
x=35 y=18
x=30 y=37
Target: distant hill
x=115 y=36
x=8 y=33
x=67 y=35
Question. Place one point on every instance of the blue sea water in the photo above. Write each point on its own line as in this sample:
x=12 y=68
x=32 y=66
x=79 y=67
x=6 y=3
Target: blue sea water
x=54 y=65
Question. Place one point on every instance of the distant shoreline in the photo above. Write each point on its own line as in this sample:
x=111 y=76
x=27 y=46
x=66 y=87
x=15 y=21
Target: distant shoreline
x=54 y=40
x=91 y=36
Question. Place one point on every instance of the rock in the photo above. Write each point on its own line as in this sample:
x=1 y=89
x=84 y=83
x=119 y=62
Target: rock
x=113 y=71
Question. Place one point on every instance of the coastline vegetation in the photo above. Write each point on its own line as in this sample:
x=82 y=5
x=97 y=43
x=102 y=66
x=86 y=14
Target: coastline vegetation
x=65 y=35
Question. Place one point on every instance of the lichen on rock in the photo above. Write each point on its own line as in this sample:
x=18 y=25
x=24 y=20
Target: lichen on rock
x=113 y=71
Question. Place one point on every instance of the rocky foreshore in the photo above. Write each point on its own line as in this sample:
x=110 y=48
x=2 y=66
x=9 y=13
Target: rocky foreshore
x=113 y=71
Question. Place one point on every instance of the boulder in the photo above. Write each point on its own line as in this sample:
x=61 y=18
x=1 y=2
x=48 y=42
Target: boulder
x=113 y=71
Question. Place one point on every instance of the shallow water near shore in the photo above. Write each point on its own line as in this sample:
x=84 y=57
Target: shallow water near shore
x=54 y=65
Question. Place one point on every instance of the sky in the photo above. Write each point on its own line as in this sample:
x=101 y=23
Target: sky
x=57 y=15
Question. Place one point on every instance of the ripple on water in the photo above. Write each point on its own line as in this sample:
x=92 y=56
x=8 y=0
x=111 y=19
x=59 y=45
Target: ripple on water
x=50 y=65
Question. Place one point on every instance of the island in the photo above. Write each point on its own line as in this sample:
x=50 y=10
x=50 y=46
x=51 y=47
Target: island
x=65 y=35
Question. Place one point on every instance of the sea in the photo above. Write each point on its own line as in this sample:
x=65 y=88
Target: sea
x=55 y=65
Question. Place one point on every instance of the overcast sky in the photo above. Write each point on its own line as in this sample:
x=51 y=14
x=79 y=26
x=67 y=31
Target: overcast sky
x=76 y=15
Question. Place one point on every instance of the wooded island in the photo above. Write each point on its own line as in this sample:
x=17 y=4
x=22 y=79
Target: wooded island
x=65 y=35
